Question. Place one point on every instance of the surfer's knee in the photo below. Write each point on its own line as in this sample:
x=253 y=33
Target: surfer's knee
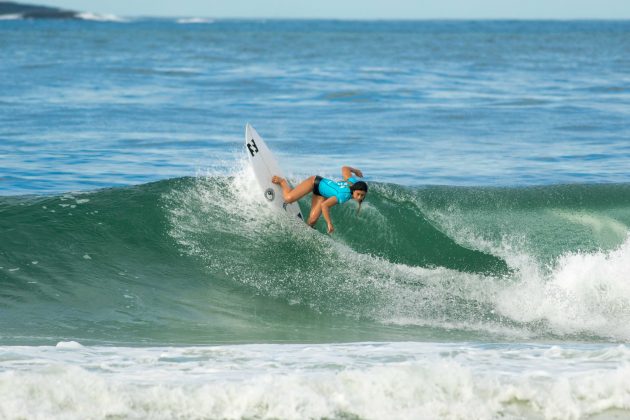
x=288 y=197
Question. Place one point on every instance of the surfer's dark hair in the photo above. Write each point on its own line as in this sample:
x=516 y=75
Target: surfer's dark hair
x=359 y=186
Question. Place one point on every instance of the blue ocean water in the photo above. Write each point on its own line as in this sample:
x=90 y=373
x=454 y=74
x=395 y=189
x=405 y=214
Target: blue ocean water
x=90 y=104
x=141 y=274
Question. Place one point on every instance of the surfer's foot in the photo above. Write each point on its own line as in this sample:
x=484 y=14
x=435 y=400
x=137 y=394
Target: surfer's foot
x=277 y=180
x=286 y=190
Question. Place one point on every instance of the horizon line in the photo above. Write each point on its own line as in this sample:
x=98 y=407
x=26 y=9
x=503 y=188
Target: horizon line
x=391 y=19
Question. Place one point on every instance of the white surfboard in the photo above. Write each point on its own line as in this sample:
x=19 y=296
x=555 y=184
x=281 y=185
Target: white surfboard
x=265 y=166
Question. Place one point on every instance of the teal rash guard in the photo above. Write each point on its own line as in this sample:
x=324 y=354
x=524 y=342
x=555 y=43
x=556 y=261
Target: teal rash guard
x=328 y=188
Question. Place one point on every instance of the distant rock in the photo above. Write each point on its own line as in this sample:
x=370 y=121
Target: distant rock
x=30 y=11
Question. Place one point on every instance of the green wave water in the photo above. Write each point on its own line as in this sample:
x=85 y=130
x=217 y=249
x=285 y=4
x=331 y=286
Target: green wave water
x=203 y=260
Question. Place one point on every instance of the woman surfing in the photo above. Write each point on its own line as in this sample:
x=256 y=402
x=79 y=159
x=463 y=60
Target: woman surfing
x=326 y=193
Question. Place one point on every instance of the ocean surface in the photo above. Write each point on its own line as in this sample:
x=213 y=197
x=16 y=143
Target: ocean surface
x=143 y=276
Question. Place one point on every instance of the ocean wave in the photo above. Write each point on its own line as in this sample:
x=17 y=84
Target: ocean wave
x=208 y=255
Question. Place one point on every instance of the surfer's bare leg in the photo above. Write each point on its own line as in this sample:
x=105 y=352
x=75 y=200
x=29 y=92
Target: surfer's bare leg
x=316 y=209
x=291 y=195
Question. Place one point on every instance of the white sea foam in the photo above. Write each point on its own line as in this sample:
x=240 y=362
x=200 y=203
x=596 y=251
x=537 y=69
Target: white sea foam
x=580 y=292
x=14 y=16
x=585 y=292
x=194 y=20
x=100 y=17
x=368 y=380
x=68 y=345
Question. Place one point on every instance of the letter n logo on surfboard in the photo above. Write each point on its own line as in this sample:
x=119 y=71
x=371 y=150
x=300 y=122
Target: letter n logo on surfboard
x=251 y=146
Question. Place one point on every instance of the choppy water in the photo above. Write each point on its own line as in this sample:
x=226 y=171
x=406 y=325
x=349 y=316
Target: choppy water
x=487 y=275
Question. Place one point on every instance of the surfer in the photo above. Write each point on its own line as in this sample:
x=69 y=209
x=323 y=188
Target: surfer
x=326 y=193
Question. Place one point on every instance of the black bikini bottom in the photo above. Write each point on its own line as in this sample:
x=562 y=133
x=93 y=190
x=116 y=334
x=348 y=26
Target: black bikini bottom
x=316 y=185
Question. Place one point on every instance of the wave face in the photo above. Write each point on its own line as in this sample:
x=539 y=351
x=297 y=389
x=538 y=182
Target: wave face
x=202 y=260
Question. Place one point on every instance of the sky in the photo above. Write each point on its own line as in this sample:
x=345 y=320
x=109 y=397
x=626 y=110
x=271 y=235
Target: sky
x=355 y=9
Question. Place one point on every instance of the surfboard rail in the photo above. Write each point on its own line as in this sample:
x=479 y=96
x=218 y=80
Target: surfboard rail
x=265 y=166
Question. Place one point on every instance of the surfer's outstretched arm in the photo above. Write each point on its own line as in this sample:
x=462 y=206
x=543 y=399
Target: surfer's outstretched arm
x=325 y=206
x=347 y=171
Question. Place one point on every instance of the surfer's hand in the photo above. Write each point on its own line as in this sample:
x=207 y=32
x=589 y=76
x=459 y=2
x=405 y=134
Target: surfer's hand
x=331 y=229
x=358 y=173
